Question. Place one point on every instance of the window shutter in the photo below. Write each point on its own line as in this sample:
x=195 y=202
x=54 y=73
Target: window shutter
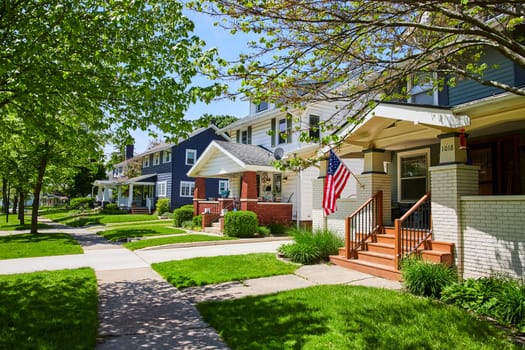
x=238 y=136
x=249 y=135
x=273 y=132
x=289 y=130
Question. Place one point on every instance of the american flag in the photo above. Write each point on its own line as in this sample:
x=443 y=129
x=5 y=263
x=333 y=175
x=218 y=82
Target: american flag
x=336 y=178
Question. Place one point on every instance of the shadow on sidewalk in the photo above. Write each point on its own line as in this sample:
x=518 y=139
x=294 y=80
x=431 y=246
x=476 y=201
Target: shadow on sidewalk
x=151 y=314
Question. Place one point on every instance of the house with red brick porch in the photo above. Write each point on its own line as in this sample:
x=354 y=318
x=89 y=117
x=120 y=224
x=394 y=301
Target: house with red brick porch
x=444 y=176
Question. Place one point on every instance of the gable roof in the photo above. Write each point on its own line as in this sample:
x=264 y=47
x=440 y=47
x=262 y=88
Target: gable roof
x=222 y=158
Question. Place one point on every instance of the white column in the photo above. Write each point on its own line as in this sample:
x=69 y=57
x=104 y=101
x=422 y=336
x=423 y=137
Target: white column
x=130 y=198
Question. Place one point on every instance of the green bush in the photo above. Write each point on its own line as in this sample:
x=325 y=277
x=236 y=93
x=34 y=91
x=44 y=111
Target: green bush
x=311 y=247
x=301 y=253
x=184 y=213
x=197 y=221
x=263 y=231
x=426 y=279
x=188 y=224
x=241 y=223
x=82 y=203
x=499 y=297
x=163 y=206
x=113 y=208
x=278 y=229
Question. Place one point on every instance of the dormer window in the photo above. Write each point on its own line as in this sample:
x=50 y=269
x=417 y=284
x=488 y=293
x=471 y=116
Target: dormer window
x=261 y=106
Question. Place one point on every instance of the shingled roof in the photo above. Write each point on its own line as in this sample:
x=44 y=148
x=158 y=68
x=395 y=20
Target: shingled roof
x=248 y=154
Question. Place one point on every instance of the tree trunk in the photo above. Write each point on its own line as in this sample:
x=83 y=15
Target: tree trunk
x=38 y=188
x=5 y=197
x=21 y=208
x=15 y=204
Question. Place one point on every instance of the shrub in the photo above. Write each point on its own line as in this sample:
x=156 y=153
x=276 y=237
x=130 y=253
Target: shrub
x=113 y=208
x=499 y=297
x=241 y=223
x=277 y=229
x=311 y=247
x=184 y=213
x=188 y=224
x=82 y=203
x=197 y=221
x=426 y=279
x=263 y=231
x=163 y=206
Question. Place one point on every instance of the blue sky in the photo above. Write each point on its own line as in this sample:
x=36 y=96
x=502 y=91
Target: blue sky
x=229 y=47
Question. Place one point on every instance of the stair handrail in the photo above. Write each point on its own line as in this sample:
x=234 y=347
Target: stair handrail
x=409 y=235
x=373 y=225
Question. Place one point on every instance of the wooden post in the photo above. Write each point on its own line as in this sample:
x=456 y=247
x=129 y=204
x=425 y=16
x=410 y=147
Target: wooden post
x=348 y=226
x=397 y=242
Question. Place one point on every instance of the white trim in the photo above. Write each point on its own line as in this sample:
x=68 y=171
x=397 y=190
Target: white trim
x=188 y=151
x=145 y=161
x=407 y=154
x=162 y=189
x=166 y=158
x=156 y=158
x=227 y=182
x=183 y=184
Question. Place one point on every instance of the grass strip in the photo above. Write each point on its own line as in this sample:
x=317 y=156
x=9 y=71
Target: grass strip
x=41 y=244
x=153 y=242
x=121 y=233
x=218 y=269
x=348 y=317
x=14 y=224
x=49 y=310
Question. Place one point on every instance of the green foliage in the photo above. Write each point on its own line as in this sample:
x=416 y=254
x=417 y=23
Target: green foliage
x=188 y=224
x=263 y=231
x=197 y=221
x=181 y=214
x=499 y=297
x=49 y=310
x=82 y=203
x=163 y=206
x=240 y=223
x=311 y=247
x=426 y=279
x=113 y=208
x=220 y=121
x=277 y=229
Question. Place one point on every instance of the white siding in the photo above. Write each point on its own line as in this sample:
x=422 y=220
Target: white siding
x=219 y=164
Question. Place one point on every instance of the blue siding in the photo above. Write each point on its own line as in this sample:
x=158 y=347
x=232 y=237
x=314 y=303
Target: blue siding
x=157 y=169
x=468 y=90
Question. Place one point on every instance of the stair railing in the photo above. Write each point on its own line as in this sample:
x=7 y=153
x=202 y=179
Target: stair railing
x=363 y=223
x=413 y=229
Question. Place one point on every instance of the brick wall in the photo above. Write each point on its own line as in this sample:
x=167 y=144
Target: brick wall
x=268 y=213
x=494 y=235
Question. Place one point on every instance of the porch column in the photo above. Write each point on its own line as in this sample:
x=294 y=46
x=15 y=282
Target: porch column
x=119 y=195
x=373 y=179
x=249 y=191
x=449 y=181
x=100 y=196
x=199 y=193
x=130 y=198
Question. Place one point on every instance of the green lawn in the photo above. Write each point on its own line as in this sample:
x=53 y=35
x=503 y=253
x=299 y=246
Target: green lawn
x=153 y=242
x=348 y=317
x=49 y=310
x=14 y=224
x=138 y=230
x=212 y=270
x=41 y=244
x=75 y=219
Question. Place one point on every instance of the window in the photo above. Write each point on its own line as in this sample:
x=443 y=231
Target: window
x=413 y=175
x=314 y=127
x=421 y=90
x=156 y=159
x=162 y=188
x=167 y=156
x=261 y=106
x=191 y=156
x=244 y=136
x=223 y=186
x=187 y=188
x=285 y=131
x=145 y=162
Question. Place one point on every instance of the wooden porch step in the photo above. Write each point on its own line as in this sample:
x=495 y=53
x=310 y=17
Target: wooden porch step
x=376 y=258
x=139 y=211
x=370 y=268
x=384 y=248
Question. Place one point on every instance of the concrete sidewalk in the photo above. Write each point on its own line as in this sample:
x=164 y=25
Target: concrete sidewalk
x=137 y=308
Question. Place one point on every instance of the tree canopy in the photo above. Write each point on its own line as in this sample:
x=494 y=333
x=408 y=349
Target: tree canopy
x=355 y=51
x=220 y=121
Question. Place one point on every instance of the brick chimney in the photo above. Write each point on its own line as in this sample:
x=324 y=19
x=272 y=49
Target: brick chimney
x=129 y=151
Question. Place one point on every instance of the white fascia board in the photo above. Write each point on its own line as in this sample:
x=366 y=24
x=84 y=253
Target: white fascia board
x=421 y=115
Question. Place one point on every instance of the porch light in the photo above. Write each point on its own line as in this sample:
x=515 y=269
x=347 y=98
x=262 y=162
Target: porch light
x=285 y=179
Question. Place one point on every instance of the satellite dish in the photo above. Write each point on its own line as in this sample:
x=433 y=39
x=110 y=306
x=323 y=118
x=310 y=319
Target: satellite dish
x=278 y=153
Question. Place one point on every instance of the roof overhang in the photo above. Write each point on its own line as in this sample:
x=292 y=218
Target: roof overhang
x=141 y=180
x=218 y=162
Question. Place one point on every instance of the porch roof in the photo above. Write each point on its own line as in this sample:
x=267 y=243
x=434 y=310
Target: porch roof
x=394 y=126
x=223 y=158
x=140 y=180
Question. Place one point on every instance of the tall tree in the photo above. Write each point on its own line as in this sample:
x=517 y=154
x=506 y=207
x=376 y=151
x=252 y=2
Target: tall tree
x=354 y=51
x=219 y=121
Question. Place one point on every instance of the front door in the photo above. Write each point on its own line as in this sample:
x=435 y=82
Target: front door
x=499 y=162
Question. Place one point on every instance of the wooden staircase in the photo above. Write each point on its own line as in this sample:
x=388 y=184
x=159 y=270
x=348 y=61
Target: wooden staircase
x=374 y=249
x=139 y=210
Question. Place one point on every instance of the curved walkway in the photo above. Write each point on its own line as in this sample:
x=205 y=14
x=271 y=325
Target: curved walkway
x=139 y=309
